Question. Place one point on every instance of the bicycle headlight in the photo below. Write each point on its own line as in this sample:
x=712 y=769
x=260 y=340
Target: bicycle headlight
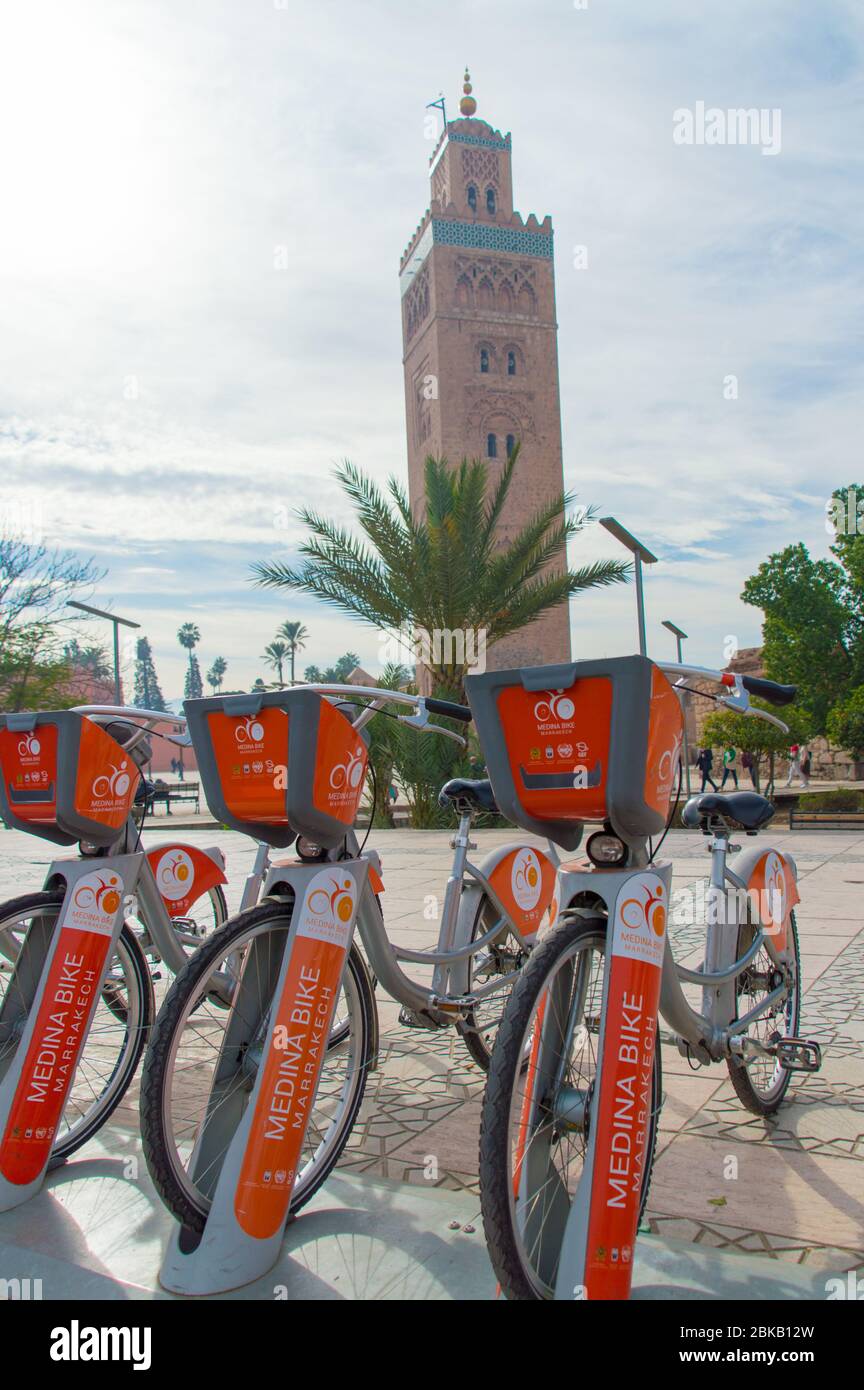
x=605 y=850
x=309 y=851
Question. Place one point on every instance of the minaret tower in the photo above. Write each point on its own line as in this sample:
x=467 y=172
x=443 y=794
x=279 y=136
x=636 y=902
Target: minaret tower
x=480 y=342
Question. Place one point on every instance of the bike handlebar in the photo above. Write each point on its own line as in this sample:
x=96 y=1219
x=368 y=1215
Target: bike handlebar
x=421 y=704
x=143 y=718
x=740 y=688
x=769 y=690
x=449 y=709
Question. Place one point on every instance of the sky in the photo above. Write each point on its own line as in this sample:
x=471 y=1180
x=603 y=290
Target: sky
x=204 y=207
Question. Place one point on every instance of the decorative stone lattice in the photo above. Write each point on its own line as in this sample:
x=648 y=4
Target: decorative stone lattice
x=480 y=166
x=416 y=304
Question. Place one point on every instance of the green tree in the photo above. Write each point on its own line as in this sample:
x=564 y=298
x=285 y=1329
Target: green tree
x=765 y=741
x=846 y=724
x=275 y=655
x=296 y=635
x=35 y=587
x=813 y=629
x=189 y=636
x=92 y=658
x=337 y=674
x=193 y=686
x=147 y=692
x=443 y=571
x=33 y=673
x=216 y=674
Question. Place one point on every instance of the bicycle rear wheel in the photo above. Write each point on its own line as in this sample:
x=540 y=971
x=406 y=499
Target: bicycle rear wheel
x=187 y=1048
x=532 y=1162
x=118 y=1032
x=502 y=959
x=761 y=1083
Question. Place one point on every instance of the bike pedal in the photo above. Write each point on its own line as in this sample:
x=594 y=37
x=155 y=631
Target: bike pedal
x=409 y=1019
x=799 y=1054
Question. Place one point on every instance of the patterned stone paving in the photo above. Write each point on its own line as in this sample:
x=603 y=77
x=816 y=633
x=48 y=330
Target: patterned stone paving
x=799 y=1191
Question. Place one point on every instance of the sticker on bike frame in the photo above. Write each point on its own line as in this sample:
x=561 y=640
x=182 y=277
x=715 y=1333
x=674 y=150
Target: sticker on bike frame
x=622 y=1109
x=68 y=1001
x=29 y=769
x=296 y=1051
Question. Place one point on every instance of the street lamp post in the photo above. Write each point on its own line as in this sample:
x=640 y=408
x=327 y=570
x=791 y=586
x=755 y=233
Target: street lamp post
x=679 y=635
x=641 y=555
x=112 y=618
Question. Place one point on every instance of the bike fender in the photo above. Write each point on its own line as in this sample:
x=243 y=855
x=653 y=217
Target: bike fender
x=183 y=873
x=524 y=879
x=772 y=886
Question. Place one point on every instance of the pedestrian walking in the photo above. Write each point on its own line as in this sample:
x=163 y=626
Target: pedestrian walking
x=794 y=764
x=705 y=762
x=751 y=765
x=806 y=764
x=730 y=767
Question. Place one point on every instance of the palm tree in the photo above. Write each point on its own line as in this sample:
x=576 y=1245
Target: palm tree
x=189 y=637
x=275 y=655
x=216 y=674
x=295 y=635
x=444 y=570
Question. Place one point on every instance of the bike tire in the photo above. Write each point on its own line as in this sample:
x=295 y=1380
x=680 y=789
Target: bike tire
x=186 y=1202
x=741 y=1076
x=518 y=1281
x=137 y=978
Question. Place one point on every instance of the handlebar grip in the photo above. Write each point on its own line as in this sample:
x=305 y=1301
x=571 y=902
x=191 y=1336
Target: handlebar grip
x=449 y=709
x=769 y=690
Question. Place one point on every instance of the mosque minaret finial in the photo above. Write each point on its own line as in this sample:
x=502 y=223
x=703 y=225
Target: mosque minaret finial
x=467 y=105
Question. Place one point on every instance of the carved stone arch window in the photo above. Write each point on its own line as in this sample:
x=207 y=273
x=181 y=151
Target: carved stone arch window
x=491 y=201
x=471 y=195
x=527 y=300
x=464 y=296
x=485 y=294
x=502 y=426
x=513 y=359
x=487 y=358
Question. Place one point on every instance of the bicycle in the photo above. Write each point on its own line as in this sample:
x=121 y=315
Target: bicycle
x=567 y=1142
x=245 y=1112
x=78 y=959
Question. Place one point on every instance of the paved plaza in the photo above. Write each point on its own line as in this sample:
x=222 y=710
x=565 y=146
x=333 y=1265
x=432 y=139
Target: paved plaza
x=789 y=1188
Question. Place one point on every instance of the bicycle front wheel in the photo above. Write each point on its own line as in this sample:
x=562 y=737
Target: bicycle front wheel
x=188 y=1048
x=118 y=1032
x=532 y=1161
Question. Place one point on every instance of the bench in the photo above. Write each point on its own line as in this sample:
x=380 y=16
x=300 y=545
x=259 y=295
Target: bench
x=176 y=791
x=825 y=820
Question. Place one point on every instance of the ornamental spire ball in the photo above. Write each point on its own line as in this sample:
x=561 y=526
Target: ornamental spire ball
x=467 y=105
